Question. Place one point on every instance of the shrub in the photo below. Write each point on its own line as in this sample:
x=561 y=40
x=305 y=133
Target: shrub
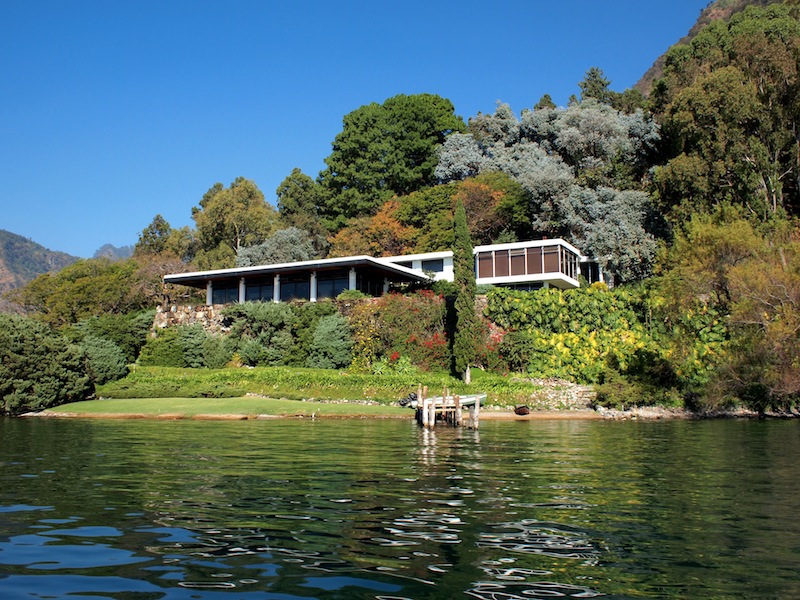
x=410 y=325
x=105 y=360
x=128 y=331
x=332 y=344
x=263 y=331
x=162 y=350
x=38 y=368
x=217 y=351
x=191 y=339
x=307 y=316
x=352 y=295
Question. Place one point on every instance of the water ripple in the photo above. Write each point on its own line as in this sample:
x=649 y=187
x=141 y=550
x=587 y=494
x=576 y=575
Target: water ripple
x=534 y=537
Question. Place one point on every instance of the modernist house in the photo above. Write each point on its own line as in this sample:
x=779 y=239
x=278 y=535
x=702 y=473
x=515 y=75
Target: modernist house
x=523 y=265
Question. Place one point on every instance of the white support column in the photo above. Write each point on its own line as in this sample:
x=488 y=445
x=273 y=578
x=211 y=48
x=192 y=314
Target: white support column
x=385 y=285
x=209 y=292
x=242 y=290
x=352 y=283
x=312 y=288
x=276 y=288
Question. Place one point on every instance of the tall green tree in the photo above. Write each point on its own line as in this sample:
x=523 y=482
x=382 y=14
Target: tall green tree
x=233 y=217
x=730 y=104
x=299 y=201
x=464 y=345
x=153 y=238
x=384 y=150
x=595 y=85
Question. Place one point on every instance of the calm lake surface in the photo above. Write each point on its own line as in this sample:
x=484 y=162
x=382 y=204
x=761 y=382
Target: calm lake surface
x=141 y=510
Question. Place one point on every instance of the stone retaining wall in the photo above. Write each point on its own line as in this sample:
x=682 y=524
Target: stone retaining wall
x=210 y=317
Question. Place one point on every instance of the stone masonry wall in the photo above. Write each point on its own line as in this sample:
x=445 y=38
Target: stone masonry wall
x=210 y=317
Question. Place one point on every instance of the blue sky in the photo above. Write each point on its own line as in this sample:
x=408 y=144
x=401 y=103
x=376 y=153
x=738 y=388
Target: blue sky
x=113 y=111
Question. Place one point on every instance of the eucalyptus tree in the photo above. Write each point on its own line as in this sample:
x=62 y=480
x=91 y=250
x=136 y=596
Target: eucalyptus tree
x=233 y=217
x=730 y=104
x=611 y=226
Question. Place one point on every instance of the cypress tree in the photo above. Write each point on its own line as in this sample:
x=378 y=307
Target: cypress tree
x=464 y=277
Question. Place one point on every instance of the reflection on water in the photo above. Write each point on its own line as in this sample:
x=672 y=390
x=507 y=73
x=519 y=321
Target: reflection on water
x=385 y=510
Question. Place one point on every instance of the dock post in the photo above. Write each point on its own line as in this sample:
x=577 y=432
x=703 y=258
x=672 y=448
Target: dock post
x=432 y=414
x=424 y=416
x=459 y=418
x=477 y=410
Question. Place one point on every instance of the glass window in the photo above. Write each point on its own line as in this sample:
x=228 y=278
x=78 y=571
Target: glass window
x=485 y=264
x=295 y=288
x=437 y=266
x=501 y=263
x=224 y=293
x=330 y=286
x=518 y=262
x=534 y=261
x=260 y=291
x=551 y=262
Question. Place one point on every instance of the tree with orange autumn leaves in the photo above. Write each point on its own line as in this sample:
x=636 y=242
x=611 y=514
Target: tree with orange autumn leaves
x=496 y=208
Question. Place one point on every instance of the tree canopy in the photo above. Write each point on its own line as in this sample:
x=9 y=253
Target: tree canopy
x=233 y=217
x=384 y=150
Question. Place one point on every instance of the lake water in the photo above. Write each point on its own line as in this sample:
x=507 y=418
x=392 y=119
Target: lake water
x=145 y=510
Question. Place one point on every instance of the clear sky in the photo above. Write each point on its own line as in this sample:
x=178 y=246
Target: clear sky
x=113 y=111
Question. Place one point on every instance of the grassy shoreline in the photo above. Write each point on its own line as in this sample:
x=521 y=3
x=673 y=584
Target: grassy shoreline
x=320 y=384
x=283 y=392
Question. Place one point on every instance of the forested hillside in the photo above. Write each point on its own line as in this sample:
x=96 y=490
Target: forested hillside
x=688 y=197
x=21 y=260
x=717 y=9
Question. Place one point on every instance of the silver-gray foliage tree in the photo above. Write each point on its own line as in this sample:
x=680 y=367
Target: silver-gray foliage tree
x=610 y=225
x=580 y=165
x=285 y=245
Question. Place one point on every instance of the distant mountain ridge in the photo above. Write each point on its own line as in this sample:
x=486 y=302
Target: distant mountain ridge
x=22 y=260
x=720 y=9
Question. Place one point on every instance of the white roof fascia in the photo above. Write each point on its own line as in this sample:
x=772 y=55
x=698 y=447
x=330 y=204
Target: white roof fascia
x=303 y=264
x=529 y=244
x=423 y=256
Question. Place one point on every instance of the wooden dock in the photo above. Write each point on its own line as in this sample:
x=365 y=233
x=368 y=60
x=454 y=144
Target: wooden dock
x=448 y=409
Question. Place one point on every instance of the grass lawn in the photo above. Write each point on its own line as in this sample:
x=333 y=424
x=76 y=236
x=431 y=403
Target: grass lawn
x=245 y=407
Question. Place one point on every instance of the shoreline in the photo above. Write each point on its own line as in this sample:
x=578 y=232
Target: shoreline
x=600 y=414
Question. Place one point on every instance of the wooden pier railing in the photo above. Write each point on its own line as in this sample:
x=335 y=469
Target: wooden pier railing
x=448 y=409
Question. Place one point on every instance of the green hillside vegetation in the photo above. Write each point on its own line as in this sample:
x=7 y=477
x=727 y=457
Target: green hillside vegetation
x=21 y=260
x=687 y=198
x=716 y=10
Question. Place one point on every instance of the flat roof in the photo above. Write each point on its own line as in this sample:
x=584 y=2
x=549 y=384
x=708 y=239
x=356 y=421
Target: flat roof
x=325 y=264
x=528 y=244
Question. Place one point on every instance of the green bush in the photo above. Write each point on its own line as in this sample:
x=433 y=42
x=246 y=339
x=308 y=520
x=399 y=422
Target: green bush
x=396 y=325
x=352 y=295
x=38 y=368
x=128 y=331
x=105 y=360
x=566 y=334
x=306 y=319
x=217 y=351
x=332 y=344
x=263 y=331
x=191 y=339
x=163 y=350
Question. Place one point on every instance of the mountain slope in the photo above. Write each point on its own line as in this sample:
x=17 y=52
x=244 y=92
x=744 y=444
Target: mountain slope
x=721 y=9
x=21 y=260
